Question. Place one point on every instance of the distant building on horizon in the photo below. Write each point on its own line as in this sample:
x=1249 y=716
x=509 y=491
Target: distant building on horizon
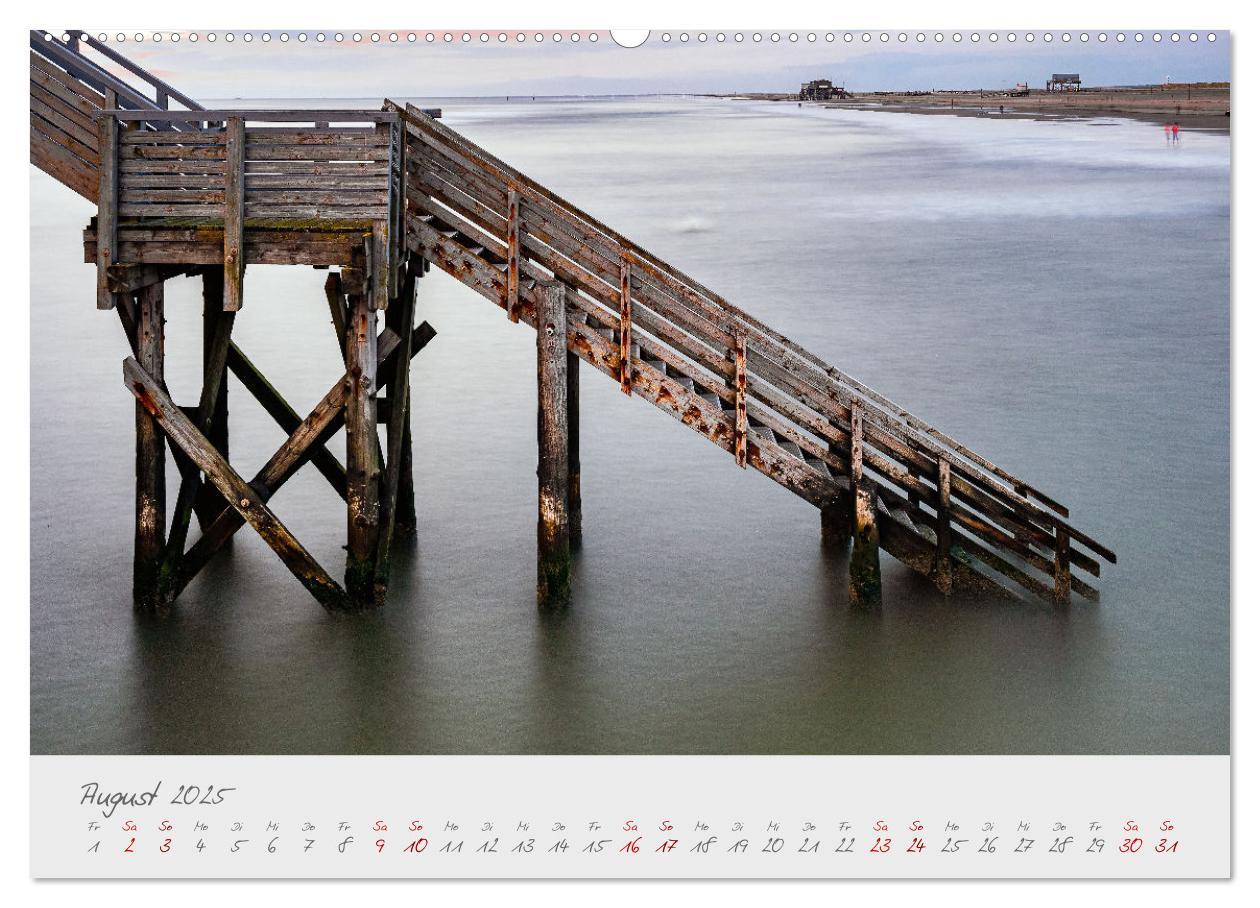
x=821 y=90
x=1064 y=82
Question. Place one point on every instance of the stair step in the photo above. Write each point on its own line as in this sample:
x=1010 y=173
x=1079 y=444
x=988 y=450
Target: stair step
x=712 y=398
x=606 y=333
x=655 y=364
x=790 y=446
x=913 y=518
x=819 y=465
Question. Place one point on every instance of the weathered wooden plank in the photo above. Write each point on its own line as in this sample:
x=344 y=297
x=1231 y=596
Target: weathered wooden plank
x=54 y=159
x=183 y=137
x=150 y=533
x=196 y=181
x=64 y=117
x=183 y=167
x=338 y=169
x=192 y=191
x=623 y=332
x=513 y=255
x=201 y=154
x=243 y=499
x=362 y=465
x=48 y=74
x=107 y=218
x=943 y=570
x=741 y=402
x=259 y=116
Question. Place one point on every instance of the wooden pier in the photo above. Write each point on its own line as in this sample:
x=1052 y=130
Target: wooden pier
x=380 y=196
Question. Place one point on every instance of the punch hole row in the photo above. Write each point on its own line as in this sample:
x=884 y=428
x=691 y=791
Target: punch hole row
x=353 y=37
x=665 y=37
x=924 y=37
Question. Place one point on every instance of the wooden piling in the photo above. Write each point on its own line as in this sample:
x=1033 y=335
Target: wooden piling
x=210 y=503
x=405 y=501
x=864 y=574
x=399 y=316
x=943 y=567
x=150 y=540
x=553 y=449
x=1062 y=566
x=837 y=515
x=362 y=466
x=572 y=400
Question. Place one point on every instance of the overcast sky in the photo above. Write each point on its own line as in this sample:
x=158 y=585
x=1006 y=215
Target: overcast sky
x=295 y=70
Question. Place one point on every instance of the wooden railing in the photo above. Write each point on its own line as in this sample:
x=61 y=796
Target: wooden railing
x=747 y=387
x=242 y=166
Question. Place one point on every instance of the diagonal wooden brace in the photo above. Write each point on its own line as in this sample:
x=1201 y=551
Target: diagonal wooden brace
x=243 y=499
x=322 y=423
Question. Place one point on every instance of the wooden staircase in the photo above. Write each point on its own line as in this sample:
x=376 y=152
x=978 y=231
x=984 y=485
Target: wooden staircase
x=942 y=509
x=877 y=473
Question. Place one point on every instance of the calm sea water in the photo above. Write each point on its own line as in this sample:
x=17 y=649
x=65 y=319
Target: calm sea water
x=1055 y=294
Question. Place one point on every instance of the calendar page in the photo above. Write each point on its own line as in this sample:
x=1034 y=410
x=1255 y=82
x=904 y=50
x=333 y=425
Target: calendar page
x=585 y=453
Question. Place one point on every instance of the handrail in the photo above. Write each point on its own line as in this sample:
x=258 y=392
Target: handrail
x=1009 y=489
x=161 y=88
x=51 y=48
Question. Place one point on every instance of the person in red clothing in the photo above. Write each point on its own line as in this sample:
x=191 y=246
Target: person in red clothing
x=1176 y=133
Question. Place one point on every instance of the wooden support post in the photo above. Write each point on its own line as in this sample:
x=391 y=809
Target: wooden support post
x=1062 y=566
x=210 y=503
x=837 y=516
x=378 y=287
x=572 y=400
x=943 y=568
x=741 y=401
x=337 y=308
x=513 y=255
x=245 y=500
x=150 y=456
x=234 y=216
x=401 y=314
x=362 y=463
x=864 y=574
x=553 y=449
x=625 y=326
x=107 y=211
x=405 y=506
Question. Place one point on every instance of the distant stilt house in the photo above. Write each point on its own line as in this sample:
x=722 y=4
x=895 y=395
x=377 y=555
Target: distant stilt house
x=1064 y=82
x=821 y=90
